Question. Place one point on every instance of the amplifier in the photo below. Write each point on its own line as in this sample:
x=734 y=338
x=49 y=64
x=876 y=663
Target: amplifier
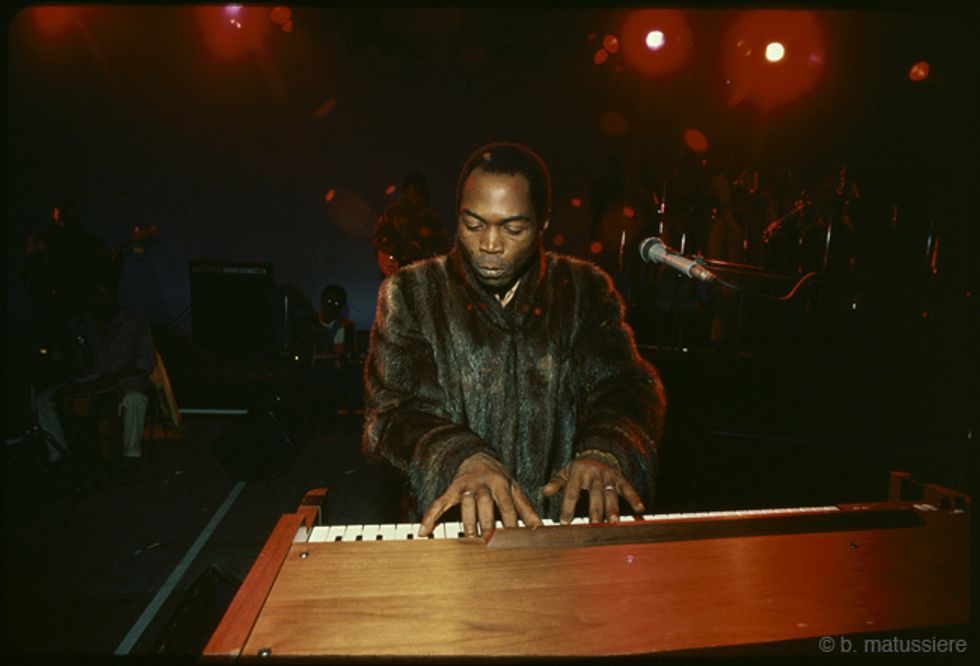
x=234 y=309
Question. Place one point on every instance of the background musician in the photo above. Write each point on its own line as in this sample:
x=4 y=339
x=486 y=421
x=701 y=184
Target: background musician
x=408 y=230
x=327 y=343
x=107 y=351
x=501 y=376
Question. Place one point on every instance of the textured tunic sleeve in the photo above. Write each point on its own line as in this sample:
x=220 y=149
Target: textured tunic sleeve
x=406 y=421
x=621 y=397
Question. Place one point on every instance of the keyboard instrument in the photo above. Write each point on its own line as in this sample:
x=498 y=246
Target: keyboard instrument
x=668 y=583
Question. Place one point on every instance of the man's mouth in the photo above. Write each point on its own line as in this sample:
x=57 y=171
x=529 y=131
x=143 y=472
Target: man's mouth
x=491 y=271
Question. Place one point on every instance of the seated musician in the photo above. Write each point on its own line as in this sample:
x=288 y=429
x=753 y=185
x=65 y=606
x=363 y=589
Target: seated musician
x=109 y=352
x=502 y=377
x=326 y=343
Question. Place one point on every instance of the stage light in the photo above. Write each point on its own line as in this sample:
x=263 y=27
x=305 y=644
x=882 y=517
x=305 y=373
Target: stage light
x=919 y=71
x=595 y=247
x=600 y=56
x=775 y=51
x=610 y=43
x=759 y=39
x=655 y=40
x=233 y=10
x=629 y=212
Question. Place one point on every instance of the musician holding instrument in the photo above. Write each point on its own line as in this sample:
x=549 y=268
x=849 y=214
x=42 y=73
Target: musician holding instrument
x=408 y=230
x=501 y=377
x=108 y=354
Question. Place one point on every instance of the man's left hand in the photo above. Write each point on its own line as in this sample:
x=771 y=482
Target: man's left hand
x=604 y=485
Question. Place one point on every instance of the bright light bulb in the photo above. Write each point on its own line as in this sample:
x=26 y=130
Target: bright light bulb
x=775 y=51
x=655 y=40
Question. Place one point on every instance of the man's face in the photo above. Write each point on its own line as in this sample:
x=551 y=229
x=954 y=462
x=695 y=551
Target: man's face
x=330 y=307
x=497 y=227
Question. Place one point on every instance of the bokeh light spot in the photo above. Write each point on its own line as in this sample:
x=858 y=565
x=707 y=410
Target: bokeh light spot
x=576 y=202
x=390 y=190
x=331 y=193
x=775 y=51
x=600 y=56
x=595 y=247
x=610 y=43
x=558 y=240
x=655 y=40
x=919 y=71
x=280 y=15
x=696 y=140
x=629 y=212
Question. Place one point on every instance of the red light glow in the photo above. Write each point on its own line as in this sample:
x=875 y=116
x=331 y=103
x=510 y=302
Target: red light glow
x=576 y=202
x=610 y=43
x=53 y=21
x=655 y=41
x=331 y=193
x=390 y=190
x=919 y=71
x=696 y=140
x=558 y=240
x=629 y=212
x=231 y=32
x=600 y=56
x=280 y=15
x=595 y=247
x=759 y=40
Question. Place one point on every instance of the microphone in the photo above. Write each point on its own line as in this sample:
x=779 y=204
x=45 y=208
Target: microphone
x=653 y=250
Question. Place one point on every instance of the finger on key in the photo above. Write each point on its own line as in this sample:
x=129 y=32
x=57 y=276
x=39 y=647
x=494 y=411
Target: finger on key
x=484 y=508
x=467 y=507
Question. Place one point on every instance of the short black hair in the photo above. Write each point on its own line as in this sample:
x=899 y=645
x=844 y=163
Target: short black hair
x=511 y=159
x=334 y=292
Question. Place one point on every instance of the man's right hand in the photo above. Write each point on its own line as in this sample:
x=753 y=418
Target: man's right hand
x=481 y=483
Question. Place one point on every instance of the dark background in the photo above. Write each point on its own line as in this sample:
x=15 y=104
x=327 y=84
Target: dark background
x=131 y=113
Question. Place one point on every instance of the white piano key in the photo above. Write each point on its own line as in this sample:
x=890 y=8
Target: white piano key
x=498 y=524
x=440 y=531
x=369 y=532
x=352 y=532
x=319 y=534
x=548 y=522
x=453 y=530
x=580 y=520
x=403 y=530
x=387 y=531
x=626 y=519
x=335 y=532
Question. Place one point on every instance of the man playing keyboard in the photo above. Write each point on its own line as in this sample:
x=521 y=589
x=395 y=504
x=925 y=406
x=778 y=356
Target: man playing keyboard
x=504 y=379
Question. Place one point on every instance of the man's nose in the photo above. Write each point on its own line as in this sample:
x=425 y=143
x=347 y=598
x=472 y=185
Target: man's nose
x=490 y=241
